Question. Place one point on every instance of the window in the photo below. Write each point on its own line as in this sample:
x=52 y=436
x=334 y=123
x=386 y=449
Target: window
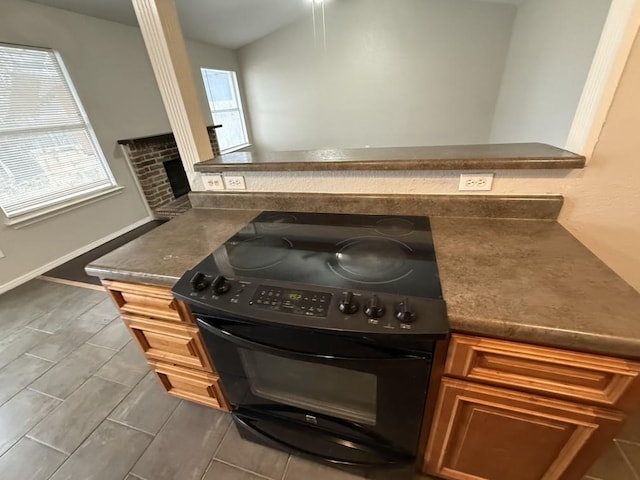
x=226 y=108
x=48 y=152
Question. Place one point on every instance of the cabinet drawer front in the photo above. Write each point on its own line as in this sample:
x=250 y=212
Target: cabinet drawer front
x=148 y=301
x=199 y=387
x=172 y=343
x=489 y=433
x=560 y=373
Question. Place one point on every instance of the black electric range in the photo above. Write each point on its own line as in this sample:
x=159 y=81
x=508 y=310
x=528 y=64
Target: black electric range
x=380 y=267
x=322 y=328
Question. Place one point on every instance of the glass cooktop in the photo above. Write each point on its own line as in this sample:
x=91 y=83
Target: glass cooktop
x=392 y=254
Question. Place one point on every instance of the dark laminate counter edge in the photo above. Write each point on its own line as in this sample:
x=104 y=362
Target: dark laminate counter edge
x=131 y=276
x=542 y=207
x=453 y=157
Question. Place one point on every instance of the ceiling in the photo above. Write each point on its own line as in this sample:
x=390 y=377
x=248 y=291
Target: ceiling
x=228 y=23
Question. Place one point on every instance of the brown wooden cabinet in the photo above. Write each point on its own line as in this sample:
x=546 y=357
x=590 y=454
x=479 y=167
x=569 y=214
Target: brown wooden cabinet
x=508 y=411
x=164 y=329
x=498 y=434
x=189 y=384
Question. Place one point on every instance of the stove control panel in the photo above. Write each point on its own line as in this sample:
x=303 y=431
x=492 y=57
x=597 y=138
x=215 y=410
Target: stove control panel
x=300 y=302
x=343 y=310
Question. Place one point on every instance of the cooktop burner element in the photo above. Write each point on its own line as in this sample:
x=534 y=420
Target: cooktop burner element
x=256 y=253
x=372 y=260
x=278 y=221
x=395 y=227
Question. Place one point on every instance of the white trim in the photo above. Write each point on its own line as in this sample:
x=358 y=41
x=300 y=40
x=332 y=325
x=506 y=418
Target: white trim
x=604 y=76
x=55 y=210
x=235 y=149
x=70 y=256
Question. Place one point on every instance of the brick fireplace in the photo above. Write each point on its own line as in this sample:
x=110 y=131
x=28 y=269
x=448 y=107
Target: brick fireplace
x=154 y=160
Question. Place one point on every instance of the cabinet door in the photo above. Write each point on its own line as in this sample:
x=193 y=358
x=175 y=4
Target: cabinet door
x=488 y=433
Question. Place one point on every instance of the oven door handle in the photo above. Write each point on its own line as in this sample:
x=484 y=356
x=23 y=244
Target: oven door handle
x=243 y=342
x=401 y=459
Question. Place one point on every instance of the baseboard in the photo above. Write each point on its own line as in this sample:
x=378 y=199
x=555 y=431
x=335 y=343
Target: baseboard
x=72 y=283
x=56 y=263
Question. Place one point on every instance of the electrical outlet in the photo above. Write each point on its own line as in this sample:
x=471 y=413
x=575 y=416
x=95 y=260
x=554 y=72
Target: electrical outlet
x=213 y=182
x=1 y=254
x=476 y=181
x=235 y=182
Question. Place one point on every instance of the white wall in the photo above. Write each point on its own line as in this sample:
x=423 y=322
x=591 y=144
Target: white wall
x=407 y=72
x=603 y=208
x=110 y=69
x=549 y=58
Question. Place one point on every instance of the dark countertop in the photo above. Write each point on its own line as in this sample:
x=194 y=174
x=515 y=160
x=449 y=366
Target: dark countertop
x=448 y=157
x=523 y=280
x=533 y=281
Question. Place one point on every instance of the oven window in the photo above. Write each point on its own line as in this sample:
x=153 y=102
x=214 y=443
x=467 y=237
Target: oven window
x=338 y=392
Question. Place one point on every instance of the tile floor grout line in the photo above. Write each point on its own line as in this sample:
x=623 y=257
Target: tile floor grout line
x=38 y=329
x=63 y=401
x=39 y=358
x=286 y=468
x=92 y=431
x=101 y=346
x=122 y=424
x=243 y=469
x=118 y=383
x=75 y=317
x=213 y=457
x=224 y=435
x=26 y=387
x=45 y=444
x=136 y=476
x=127 y=426
x=154 y=437
x=627 y=461
x=31 y=389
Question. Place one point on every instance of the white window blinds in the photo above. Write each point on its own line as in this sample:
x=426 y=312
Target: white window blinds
x=48 y=152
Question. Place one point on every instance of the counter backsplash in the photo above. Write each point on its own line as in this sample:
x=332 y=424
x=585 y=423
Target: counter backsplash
x=540 y=207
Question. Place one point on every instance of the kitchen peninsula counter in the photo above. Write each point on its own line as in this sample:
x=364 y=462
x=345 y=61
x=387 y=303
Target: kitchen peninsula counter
x=510 y=156
x=523 y=280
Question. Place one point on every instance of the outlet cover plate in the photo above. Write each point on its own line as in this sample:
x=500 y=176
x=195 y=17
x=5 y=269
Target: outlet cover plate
x=213 y=182
x=1 y=254
x=476 y=182
x=234 y=182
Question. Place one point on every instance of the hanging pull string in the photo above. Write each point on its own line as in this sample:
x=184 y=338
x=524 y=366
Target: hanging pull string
x=315 y=26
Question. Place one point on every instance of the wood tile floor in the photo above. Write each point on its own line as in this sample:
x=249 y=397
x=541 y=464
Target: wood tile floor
x=78 y=402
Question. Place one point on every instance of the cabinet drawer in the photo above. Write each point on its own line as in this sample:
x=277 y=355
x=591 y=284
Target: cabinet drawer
x=199 y=387
x=148 y=301
x=560 y=373
x=167 y=342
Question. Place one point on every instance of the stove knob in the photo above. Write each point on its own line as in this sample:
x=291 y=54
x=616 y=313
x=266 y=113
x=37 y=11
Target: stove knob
x=404 y=312
x=348 y=304
x=200 y=282
x=374 y=308
x=220 y=285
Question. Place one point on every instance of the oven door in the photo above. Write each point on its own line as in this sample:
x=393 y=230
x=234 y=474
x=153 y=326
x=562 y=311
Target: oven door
x=364 y=400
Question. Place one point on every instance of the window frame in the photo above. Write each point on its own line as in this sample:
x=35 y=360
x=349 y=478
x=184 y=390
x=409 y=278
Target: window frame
x=51 y=208
x=239 y=109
